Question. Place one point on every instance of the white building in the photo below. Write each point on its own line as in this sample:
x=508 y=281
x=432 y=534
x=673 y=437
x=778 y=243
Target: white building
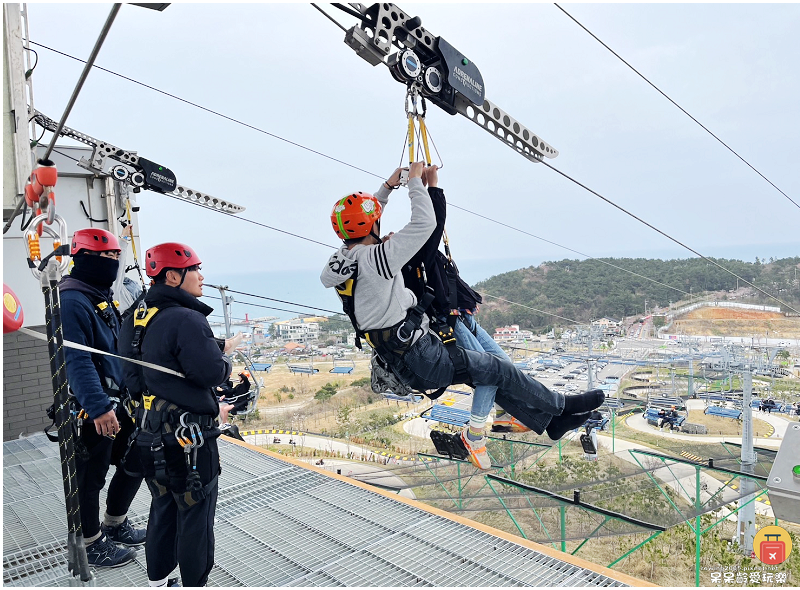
x=511 y=333
x=300 y=330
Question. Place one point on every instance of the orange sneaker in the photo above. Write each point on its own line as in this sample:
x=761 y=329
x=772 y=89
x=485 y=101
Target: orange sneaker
x=505 y=422
x=476 y=451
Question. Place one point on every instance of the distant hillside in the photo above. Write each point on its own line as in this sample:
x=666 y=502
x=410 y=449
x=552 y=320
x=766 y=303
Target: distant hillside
x=583 y=290
x=722 y=321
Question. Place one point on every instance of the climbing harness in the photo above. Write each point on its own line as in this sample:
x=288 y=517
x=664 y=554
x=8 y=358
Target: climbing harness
x=157 y=417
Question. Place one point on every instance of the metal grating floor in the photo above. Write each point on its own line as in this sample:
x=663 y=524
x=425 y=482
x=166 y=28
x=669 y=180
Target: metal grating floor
x=278 y=525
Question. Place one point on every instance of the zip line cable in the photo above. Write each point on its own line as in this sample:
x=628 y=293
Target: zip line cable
x=679 y=106
x=253 y=127
x=281 y=301
x=533 y=309
x=271 y=299
x=264 y=306
x=669 y=237
x=522 y=231
x=235 y=217
x=379 y=176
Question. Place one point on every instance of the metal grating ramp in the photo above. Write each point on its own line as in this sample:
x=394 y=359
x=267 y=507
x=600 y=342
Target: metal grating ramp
x=278 y=525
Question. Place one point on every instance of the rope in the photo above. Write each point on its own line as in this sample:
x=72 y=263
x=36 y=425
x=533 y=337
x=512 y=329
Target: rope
x=77 y=346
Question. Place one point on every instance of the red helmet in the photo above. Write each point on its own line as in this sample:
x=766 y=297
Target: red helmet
x=94 y=239
x=354 y=215
x=169 y=255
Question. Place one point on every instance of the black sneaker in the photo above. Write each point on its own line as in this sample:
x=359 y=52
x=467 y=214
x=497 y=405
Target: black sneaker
x=125 y=534
x=105 y=553
x=173 y=583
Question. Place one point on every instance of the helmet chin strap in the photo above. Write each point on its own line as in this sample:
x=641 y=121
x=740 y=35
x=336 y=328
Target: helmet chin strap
x=372 y=233
x=183 y=277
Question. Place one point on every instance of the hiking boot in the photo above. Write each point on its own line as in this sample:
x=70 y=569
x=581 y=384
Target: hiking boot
x=505 y=422
x=105 y=553
x=476 y=450
x=125 y=534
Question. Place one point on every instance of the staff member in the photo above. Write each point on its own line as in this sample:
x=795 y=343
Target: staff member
x=176 y=411
x=89 y=317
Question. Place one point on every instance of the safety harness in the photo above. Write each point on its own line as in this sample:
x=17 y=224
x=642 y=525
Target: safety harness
x=156 y=417
x=107 y=313
x=446 y=330
x=390 y=344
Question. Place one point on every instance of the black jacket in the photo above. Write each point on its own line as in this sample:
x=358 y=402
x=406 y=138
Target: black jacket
x=436 y=267
x=179 y=338
x=83 y=324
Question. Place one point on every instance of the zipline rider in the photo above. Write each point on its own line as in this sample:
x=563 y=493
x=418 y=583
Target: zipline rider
x=178 y=416
x=367 y=274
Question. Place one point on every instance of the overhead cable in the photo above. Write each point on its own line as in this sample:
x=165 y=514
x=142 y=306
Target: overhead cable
x=669 y=237
x=679 y=106
x=366 y=171
x=253 y=127
x=570 y=249
x=533 y=309
x=379 y=176
x=265 y=306
x=281 y=301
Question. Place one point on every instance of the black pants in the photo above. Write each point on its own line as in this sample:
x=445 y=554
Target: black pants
x=180 y=530
x=91 y=475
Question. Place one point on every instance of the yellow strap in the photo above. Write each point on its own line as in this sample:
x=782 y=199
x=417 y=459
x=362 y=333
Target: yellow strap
x=148 y=401
x=142 y=321
x=411 y=132
x=424 y=132
x=347 y=290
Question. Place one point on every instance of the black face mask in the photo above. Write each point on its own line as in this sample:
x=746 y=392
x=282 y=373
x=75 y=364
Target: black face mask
x=98 y=271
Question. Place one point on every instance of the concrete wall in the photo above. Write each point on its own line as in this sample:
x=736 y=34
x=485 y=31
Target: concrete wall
x=27 y=387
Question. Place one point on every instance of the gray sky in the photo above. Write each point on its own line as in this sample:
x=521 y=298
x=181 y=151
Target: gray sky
x=285 y=69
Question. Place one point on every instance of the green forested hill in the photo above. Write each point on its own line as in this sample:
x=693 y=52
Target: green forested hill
x=583 y=290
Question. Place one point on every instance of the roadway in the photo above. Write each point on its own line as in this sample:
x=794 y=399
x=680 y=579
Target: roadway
x=354 y=467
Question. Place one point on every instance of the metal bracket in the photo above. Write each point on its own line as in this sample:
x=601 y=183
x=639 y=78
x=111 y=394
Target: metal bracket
x=456 y=91
x=142 y=169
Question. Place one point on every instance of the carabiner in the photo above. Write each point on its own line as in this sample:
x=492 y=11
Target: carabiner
x=197 y=433
x=33 y=247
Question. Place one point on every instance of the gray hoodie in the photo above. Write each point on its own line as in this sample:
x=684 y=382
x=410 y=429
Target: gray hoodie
x=381 y=297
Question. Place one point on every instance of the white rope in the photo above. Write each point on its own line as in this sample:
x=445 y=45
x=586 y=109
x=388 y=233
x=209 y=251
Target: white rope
x=77 y=346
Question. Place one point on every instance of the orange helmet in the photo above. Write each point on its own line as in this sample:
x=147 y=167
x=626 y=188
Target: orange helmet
x=354 y=215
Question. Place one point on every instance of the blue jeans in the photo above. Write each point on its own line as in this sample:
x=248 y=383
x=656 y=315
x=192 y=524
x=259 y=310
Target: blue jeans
x=471 y=336
x=427 y=365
